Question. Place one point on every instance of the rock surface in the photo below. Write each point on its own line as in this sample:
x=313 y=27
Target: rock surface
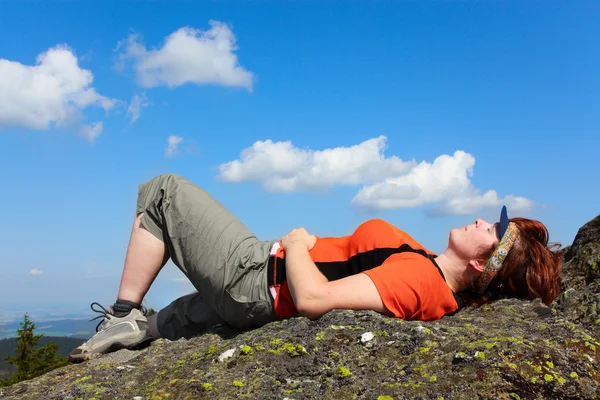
x=511 y=349
x=580 y=300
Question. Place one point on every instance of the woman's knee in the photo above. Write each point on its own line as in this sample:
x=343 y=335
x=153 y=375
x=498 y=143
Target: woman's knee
x=153 y=193
x=158 y=187
x=168 y=179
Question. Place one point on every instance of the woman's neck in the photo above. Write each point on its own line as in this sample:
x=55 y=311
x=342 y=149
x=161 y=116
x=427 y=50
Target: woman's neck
x=459 y=276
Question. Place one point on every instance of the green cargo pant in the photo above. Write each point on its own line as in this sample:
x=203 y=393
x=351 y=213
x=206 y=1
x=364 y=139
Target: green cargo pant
x=224 y=261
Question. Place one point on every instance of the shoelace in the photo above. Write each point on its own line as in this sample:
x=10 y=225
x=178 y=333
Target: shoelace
x=105 y=314
x=108 y=313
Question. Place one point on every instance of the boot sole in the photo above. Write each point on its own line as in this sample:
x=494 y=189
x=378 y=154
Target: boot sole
x=78 y=358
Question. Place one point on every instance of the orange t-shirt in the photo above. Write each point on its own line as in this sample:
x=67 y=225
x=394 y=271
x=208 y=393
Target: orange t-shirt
x=410 y=283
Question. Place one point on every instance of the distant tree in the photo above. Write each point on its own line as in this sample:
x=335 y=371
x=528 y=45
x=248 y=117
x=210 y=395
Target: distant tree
x=26 y=342
x=29 y=360
x=150 y=311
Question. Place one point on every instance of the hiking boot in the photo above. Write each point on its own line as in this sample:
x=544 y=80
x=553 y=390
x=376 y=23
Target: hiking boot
x=113 y=333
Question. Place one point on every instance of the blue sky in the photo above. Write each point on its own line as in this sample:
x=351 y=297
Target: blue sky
x=314 y=114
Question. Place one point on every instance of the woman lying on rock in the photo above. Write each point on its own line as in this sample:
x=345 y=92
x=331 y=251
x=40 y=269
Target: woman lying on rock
x=246 y=283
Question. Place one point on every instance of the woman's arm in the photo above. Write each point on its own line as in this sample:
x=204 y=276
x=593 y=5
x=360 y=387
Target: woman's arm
x=312 y=293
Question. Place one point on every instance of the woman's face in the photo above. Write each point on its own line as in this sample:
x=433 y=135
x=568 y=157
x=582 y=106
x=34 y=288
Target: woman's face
x=471 y=241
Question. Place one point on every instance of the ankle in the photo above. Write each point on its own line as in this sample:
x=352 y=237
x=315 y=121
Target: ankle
x=122 y=308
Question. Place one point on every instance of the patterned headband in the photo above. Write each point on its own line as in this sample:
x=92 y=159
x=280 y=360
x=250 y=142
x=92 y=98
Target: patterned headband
x=494 y=263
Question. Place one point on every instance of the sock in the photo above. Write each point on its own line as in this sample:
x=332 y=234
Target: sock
x=121 y=308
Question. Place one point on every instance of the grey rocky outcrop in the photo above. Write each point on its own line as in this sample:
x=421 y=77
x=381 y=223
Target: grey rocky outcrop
x=511 y=349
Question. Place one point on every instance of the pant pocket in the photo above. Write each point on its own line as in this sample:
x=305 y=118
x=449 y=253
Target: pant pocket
x=242 y=312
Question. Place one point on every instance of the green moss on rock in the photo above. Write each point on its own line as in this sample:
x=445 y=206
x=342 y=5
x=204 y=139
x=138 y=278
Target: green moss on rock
x=207 y=387
x=83 y=379
x=343 y=372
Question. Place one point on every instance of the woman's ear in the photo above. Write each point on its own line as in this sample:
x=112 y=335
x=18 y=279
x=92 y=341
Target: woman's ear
x=478 y=265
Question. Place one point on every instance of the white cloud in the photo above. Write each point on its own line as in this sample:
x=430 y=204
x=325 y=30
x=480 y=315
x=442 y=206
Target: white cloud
x=173 y=143
x=468 y=203
x=187 y=56
x=55 y=91
x=389 y=182
x=35 y=272
x=135 y=107
x=444 y=183
x=91 y=131
x=282 y=167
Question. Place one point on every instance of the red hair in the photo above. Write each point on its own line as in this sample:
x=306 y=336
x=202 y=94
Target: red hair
x=530 y=270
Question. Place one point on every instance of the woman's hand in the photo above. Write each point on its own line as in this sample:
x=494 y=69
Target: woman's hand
x=299 y=237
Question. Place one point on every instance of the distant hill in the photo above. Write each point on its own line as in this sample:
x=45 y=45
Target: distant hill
x=7 y=348
x=74 y=328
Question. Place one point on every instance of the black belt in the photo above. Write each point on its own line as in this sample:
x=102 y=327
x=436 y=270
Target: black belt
x=275 y=270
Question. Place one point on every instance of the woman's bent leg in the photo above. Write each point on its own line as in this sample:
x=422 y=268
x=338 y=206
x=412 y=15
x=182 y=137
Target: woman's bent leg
x=220 y=256
x=224 y=261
